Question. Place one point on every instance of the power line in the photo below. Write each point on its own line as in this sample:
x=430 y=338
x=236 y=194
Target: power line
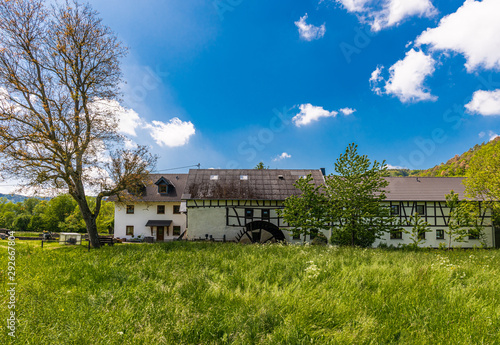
x=188 y=166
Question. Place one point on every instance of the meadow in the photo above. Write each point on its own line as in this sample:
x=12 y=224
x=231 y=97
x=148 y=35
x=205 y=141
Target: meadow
x=226 y=293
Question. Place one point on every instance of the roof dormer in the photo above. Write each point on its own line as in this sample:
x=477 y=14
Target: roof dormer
x=165 y=186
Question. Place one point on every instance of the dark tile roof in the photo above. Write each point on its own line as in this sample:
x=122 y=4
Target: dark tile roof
x=151 y=191
x=423 y=188
x=266 y=184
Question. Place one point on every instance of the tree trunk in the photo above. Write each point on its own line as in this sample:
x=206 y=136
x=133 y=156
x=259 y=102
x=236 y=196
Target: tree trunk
x=92 y=231
x=90 y=221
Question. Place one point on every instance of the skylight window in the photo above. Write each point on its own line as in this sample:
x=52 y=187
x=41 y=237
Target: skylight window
x=244 y=177
x=214 y=177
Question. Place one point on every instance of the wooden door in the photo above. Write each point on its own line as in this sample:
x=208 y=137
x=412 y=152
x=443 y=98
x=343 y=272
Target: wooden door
x=160 y=233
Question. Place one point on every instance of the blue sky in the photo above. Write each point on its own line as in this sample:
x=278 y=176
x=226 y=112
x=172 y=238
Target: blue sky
x=236 y=72
x=230 y=83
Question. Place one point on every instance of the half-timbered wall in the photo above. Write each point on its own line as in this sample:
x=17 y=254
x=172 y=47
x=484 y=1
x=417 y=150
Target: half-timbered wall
x=437 y=214
x=228 y=217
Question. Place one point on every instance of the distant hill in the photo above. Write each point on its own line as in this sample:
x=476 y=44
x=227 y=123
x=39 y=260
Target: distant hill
x=457 y=166
x=403 y=172
x=15 y=198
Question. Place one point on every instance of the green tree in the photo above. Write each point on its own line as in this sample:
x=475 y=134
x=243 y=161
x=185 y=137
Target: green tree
x=74 y=222
x=418 y=229
x=261 y=166
x=306 y=213
x=7 y=219
x=472 y=211
x=21 y=222
x=59 y=91
x=461 y=223
x=29 y=205
x=39 y=220
x=57 y=210
x=355 y=200
x=483 y=176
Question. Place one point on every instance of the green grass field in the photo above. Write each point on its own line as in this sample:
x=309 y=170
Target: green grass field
x=216 y=293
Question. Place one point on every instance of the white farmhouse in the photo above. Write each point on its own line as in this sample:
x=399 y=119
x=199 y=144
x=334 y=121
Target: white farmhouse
x=156 y=212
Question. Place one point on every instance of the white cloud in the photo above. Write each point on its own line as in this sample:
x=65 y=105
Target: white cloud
x=126 y=120
x=284 y=155
x=310 y=32
x=172 y=134
x=309 y=113
x=473 y=30
x=493 y=135
x=4 y=96
x=129 y=144
x=354 y=5
x=389 y=166
x=486 y=103
x=407 y=76
x=395 y=11
x=375 y=79
x=347 y=111
x=387 y=13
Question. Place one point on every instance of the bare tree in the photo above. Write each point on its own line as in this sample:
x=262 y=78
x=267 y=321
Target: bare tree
x=59 y=71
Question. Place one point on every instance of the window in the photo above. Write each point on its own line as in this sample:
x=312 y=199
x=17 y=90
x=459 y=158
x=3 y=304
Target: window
x=177 y=209
x=244 y=177
x=248 y=213
x=130 y=209
x=421 y=235
x=265 y=214
x=439 y=234
x=397 y=234
x=394 y=210
x=129 y=230
x=177 y=230
x=160 y=209
x=214 y=177
x=420 y=210
x=473 y=235
x=162 y=188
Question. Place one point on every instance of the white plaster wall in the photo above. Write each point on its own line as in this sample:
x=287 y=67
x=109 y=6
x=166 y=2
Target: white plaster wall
x=144 y=212
x=431 y=241
x=212 y=221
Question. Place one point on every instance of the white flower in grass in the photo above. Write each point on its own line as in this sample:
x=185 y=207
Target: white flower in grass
x=312 y=271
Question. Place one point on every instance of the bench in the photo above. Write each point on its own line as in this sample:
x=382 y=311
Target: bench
x=106 y=240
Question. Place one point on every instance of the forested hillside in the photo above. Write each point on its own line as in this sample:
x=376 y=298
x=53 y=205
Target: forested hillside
x=456 y=166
